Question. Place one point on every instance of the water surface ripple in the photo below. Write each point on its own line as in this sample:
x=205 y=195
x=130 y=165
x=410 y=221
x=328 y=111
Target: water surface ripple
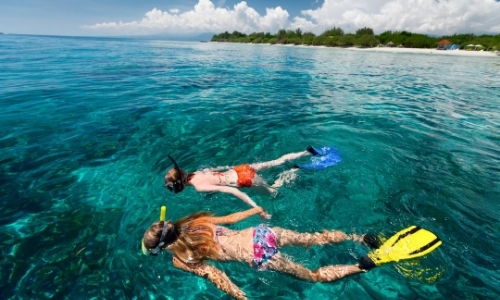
x=86 y=124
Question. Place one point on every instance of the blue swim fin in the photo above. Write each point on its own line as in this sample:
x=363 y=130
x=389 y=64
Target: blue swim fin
x=323 y=158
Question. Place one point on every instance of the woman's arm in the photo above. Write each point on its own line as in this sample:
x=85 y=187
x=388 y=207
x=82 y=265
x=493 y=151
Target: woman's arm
x=233 y=191
x=213 y=274
x=228 y=190
x=236 y=217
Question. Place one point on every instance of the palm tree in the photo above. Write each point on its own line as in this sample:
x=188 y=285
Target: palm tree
x=298 y=32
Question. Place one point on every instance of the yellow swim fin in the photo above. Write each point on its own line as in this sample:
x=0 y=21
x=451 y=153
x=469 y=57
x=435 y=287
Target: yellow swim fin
x=409 y=243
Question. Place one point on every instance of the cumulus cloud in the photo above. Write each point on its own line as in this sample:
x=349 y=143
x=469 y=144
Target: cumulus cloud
x=204 y=17
x=423 y=16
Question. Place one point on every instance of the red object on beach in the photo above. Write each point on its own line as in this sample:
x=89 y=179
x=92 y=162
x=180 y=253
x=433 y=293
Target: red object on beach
x=444 y=42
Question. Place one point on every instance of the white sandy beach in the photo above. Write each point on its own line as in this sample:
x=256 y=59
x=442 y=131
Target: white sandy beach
x=402 y=50
x=427 y=51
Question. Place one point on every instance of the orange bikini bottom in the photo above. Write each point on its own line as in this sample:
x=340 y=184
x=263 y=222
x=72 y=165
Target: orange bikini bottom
x=245 y=175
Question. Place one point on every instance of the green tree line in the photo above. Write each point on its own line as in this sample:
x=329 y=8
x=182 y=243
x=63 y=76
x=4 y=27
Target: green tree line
x=364 y=38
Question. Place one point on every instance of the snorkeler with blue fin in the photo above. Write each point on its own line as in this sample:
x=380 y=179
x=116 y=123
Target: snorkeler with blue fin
x=229 y=179
x=198 y=238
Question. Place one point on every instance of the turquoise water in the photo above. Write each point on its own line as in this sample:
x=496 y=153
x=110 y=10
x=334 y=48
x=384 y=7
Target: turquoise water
x=86 y=124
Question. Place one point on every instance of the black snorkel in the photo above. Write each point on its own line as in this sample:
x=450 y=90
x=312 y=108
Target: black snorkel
x=178 y=185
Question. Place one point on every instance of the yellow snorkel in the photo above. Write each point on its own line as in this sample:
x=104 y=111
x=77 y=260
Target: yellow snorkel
x=163 y=213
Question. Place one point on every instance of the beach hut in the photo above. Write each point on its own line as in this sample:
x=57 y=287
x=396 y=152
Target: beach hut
x=390 y=44
x=443 y=44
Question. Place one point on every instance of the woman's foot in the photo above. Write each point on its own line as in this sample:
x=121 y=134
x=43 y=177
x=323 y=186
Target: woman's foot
x=356 y=238
x=366 y=263
x=372 y=241
x=311 y=150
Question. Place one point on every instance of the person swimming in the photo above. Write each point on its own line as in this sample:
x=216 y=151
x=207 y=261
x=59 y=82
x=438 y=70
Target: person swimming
x=198 y=237
x=244 y=175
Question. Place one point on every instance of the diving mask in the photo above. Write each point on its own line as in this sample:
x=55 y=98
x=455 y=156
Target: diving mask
x=166 y=235
x=178 y=185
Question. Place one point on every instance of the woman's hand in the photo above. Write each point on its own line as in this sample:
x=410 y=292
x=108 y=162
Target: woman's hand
x=264 y=215
x=240 y=295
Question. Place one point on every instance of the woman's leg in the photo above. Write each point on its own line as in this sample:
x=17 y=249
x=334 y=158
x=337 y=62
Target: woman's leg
x=285 y=177
x=287 y=157
x=323 y=274
x=289 y=237
x=260 y=186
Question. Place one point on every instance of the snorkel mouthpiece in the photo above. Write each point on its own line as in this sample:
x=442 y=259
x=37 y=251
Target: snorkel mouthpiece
x=178 y=185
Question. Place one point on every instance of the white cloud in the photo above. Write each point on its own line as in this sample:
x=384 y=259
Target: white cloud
x=423 y=16
x=204 y=17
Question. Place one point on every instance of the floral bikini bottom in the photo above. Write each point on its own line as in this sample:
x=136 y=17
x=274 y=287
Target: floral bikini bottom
x=264 y=246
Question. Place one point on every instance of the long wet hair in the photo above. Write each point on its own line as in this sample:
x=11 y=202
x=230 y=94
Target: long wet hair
x=195 y=238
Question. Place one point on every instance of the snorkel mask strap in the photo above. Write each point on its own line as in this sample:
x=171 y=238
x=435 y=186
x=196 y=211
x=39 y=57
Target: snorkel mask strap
x=156 y=250
x=165 y=237
x=178 y=185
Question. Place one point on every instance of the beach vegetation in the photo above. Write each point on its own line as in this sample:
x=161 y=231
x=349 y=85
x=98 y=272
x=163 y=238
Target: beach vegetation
x=281 y=33
x=335 y=31
x=347 y=40
x=273 y=41
x=364 y=31
x=308 y=38
x=367 y=41
x=257 y=40
x=363 y=37
x=298 y=32
x=292 y=34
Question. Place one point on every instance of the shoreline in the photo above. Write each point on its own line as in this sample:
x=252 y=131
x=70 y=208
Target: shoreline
x=388 y=49
x=427 y=51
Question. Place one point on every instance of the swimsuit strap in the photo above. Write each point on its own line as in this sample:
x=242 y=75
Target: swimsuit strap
x=219 y=230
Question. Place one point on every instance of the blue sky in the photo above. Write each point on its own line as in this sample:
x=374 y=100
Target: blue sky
x=143 y=17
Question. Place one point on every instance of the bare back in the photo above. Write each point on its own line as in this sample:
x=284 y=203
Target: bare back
x=236 y=245
x=206 y=178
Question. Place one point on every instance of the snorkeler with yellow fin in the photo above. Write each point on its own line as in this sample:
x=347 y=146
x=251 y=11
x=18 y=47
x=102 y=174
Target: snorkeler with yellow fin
x=201 y=237
x=409 y=243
